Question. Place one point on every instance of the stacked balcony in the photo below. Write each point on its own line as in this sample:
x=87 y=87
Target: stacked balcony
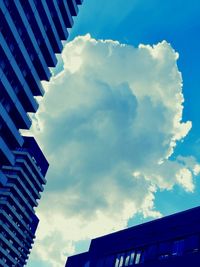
x=31 y=33
x=18 y=198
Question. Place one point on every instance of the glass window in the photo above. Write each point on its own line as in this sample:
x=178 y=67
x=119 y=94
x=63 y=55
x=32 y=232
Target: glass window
x=16 y=89
x=7 y=107
x=45 y=28
x=191 y=244
x=28 y=16
x=32 y=57
x=178 y=247
x=137 y=257
x=20 y=31
x=87 y=264
x=127 y=260
x=121 y=261
x=12 y=47
x=116 y=262
x=39 y=41
x=6 y=3
x=165 y=250
x=108 y=261
x=24 y=72
x=150 y=253
x=132 y=258
x=2 y=64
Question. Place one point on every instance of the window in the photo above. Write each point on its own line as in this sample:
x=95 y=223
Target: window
x=32 y=57
x=7 y=107
x=20 y=31
x=132 y=258
x=178 y=247
x=191 y=244
x=45 y=28
x=36 y=2
x=39 y=42
x=3 y=64
x=2 y=100
x=116 y=262
x=121 y=261
x=16 y=89
x=6 y=3
x=137 y=257
x=12 y=47
x=87 y=264
x=150 y=253
x=108 y=261
x=164 y=250
x=24 y=72
x=127 y=260
x=28 y=16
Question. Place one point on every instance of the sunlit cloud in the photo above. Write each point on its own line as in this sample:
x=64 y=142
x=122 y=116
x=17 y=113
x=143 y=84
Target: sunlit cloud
x=109 y=124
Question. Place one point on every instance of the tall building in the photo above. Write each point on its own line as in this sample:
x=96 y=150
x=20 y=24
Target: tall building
x=30 y=34
x=18 y=222
x=172 y=241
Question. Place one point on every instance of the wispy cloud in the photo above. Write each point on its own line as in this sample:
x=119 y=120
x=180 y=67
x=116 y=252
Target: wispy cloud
x=108 y=124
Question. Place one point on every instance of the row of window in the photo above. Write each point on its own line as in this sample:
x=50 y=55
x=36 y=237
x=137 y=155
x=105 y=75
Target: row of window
x=17 y=218
x=16 y=234
x=34 y=167
x=127 y=259
x=10 y=255
x=51 y=35
x=159 y=251
x=24 y=34
x=25 y=179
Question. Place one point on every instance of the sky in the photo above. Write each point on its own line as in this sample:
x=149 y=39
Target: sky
x=119 y=124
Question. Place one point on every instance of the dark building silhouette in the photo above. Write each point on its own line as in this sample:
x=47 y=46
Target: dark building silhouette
x=30 y=34
x=172 y=241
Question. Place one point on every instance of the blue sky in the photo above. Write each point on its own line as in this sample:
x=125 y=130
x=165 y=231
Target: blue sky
x=107 y=100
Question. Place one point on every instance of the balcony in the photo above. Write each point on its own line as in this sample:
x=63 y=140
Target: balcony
x=8 y=244
x=8 y=256
x=14 y=179
x=22 y=175
x=21 y=118
x=9 y=130
x=24 y=154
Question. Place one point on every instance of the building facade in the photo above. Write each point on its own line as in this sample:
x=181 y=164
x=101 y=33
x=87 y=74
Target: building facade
x=172 y=241
x=31 y=32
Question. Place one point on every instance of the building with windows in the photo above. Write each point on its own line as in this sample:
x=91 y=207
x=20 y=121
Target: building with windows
x=31 y=33
x=18 y=222
x=172 y=241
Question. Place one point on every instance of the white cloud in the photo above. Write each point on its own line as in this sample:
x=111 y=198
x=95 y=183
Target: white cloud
x=108 y=124
x=184 y=177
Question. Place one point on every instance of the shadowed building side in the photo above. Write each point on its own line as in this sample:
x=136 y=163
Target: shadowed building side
x=30 y=34
x=170 y=241
x=18 y=198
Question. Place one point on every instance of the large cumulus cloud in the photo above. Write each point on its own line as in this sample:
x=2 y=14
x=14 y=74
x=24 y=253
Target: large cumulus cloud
x=108 y=124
